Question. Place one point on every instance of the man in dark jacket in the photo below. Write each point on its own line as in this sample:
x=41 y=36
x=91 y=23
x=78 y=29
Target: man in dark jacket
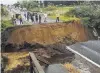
x=39 y=18
x=36 y=17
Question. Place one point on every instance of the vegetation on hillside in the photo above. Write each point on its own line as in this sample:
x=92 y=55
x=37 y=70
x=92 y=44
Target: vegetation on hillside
x=4 y=11
x=5 y=24
x=52 y=10
x=5 y=20
x=89 y=13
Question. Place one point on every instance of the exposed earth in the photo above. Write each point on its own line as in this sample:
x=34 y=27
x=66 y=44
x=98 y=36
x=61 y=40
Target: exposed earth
x=45 y=40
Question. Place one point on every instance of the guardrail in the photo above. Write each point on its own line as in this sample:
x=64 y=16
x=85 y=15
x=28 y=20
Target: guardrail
x=35 y=67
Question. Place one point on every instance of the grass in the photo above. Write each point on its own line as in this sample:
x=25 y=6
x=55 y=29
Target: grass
x=65 y=8
x=5 y=24
x=71 y=68
x=64 y=18
x=62 y=11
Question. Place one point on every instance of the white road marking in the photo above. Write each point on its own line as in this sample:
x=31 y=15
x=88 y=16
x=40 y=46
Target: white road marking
x=67 y=47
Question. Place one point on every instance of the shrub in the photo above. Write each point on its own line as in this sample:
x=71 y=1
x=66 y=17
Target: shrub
x=5 y=24
x=89 y=13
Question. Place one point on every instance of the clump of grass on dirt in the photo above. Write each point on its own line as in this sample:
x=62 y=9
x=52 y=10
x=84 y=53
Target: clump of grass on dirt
x=16 y=59
x=71 y=68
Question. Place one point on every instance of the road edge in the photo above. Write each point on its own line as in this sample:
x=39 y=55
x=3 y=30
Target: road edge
x=67 y=47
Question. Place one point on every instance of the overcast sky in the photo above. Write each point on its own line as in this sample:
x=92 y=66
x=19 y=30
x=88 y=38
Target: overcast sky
x=9 y=1
x=14 y=1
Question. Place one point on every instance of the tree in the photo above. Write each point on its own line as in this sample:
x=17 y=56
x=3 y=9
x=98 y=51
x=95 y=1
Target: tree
x=29 y=4
x=17 y=4
x=4 y=11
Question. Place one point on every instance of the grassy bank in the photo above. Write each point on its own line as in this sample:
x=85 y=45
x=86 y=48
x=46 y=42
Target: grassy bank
x=64 y=18
x=63 y=11
x=5 y=24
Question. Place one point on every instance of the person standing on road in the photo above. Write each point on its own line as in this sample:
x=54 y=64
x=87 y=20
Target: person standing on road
x=45 y=17
x=32 y=19
x=20 y=19
x=14 y=20
x=40 y=18
x=28 y=16
x=25 y=15
x=36 y=17
x=57 y=17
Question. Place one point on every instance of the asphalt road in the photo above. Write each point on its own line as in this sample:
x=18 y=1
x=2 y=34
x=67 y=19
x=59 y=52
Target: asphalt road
x=56 y=68
x=89 y=49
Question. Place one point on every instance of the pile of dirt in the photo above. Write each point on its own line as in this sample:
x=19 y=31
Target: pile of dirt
x=54 y=54
x=46 y=33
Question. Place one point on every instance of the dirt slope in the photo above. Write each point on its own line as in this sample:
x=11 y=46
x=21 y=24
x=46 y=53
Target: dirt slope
x=47 y=33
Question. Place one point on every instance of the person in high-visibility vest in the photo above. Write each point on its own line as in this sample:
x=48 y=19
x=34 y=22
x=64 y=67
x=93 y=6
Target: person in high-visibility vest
x=57 y=17
x=20 y=18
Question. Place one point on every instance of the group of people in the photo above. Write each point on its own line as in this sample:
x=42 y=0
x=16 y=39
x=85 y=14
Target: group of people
x=35 y=17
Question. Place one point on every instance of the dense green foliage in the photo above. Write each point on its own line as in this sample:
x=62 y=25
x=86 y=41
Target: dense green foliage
x=5 y=24
x=60 y=2
x=89 y=13
x=30 y=4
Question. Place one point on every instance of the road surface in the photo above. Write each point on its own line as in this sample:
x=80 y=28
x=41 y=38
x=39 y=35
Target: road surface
x=56 y=68
x=89 y=50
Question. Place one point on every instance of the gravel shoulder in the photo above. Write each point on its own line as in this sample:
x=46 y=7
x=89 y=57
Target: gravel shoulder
x=84 y=66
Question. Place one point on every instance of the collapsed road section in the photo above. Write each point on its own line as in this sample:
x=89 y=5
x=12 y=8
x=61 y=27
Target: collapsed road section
x=51 y=60
x=48 y=48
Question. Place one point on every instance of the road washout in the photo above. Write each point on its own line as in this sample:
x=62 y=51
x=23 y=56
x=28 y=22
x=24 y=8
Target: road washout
x=48 y=33
x=45 y=40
